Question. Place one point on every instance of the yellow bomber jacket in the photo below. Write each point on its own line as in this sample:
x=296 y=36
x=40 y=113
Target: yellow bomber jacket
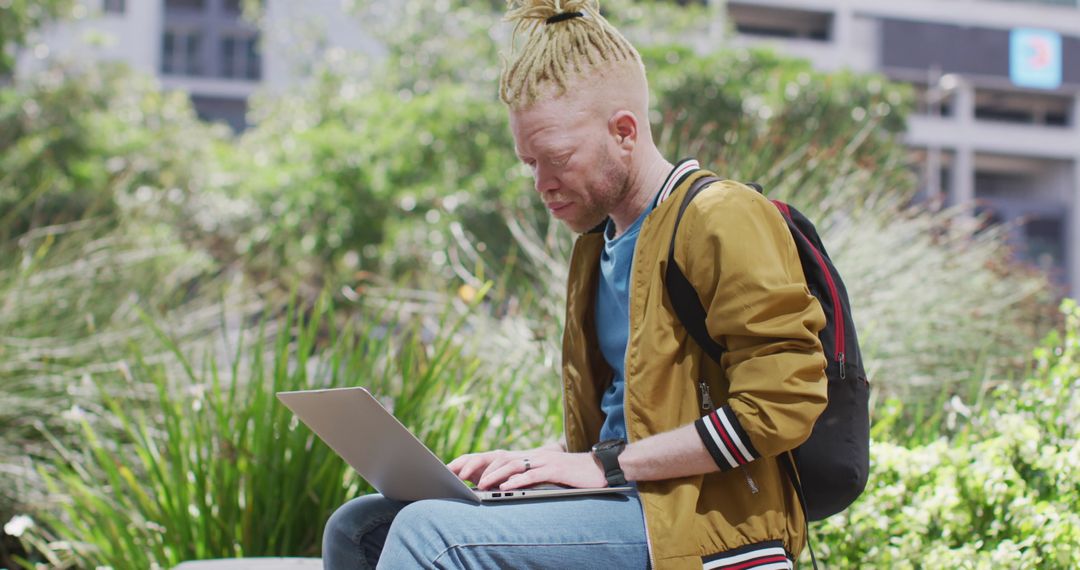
x=735 y=248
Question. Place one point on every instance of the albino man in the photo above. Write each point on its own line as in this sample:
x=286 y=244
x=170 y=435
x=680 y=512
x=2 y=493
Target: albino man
x=698 y=442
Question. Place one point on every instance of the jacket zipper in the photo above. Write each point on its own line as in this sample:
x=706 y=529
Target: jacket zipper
x=706 y=399
x=707 y=406
x=834 y=293
x=626 y=381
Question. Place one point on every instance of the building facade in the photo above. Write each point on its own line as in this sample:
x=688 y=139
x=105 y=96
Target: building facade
x=998 y=86
x=204 y=47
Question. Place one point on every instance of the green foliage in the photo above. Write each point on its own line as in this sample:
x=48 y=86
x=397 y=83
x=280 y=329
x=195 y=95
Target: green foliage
x=94 y=167
x=936 y=302
x=345 y=167
x=79 y=143
x=67 y=310
x=19 y=19
x=429 y=44
x=1003 y=491
x=756 y=116
x=216 y=467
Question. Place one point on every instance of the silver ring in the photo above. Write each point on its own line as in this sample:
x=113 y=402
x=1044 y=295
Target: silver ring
x=527 y=464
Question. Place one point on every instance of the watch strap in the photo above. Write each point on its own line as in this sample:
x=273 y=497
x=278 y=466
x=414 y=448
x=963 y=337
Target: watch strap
x=609 y=462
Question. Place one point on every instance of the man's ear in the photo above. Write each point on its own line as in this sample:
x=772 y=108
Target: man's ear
x=623 y=127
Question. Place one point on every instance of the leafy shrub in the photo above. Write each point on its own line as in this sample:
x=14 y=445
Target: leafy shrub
x=345 y=167
x=754 y=115
x=18 y=22
x=1002 y=491
x=75 y=143
x=218 y=468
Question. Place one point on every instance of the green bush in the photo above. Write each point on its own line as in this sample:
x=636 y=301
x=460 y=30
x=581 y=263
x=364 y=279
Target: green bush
x=95 y=142
x=754 y=115
x=69 y=299
x=216 y=467
x=349 y=176
x=95 y=168
x=1000 y=490
x=18 y=22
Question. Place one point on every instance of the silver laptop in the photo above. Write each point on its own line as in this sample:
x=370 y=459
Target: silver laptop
x=370 y=439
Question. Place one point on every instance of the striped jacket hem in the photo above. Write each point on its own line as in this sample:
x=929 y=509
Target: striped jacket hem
x=762 y=556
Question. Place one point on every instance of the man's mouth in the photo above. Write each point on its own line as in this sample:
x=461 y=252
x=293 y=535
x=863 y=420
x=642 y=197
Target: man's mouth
x=555 y=207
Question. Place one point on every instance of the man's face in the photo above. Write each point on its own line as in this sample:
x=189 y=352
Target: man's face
x=573 y=158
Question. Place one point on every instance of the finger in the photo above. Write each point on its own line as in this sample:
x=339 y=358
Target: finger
x=472 y=470
x=459 y=462
x=523 y=479
x=500 y=463
x=493 y=477
x=469 y=466
x=476 y=463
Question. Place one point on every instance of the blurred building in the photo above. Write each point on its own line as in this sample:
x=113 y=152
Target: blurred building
x=204 y=47
x=998 y=84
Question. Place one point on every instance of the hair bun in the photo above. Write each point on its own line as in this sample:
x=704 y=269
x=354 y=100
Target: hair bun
x=521 y=10
x=553 y=54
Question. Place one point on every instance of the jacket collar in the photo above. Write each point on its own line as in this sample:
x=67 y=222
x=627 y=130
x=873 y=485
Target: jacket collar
x=683 y=169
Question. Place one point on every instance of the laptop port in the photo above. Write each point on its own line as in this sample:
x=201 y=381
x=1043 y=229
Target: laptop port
x=497 y=495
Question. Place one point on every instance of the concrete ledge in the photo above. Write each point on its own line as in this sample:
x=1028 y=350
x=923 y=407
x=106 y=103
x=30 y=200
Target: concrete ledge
x=254 y=564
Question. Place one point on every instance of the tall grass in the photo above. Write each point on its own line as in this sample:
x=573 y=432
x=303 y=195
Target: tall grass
x=216 y=467
x=68 y=312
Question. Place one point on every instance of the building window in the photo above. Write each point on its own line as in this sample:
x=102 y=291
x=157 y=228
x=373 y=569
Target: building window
x=113 y=6
x=180 y=52
x=1045 y=240
x=222 y=109
x=780 y=22
x=186 y=5
x=240 y=57
x=1022 y=107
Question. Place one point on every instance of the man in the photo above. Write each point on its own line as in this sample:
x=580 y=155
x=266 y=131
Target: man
x=704 y=439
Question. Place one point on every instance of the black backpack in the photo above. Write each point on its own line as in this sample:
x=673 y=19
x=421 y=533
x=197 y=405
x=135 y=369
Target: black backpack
x=833 y=464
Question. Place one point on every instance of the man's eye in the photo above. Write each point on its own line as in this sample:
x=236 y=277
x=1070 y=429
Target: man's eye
x=561 y=161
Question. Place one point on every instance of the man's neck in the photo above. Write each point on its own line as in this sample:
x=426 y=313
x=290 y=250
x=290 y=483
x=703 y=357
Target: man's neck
x=644 y=183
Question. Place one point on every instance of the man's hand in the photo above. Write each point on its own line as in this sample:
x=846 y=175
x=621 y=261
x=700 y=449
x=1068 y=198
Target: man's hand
x=507 y=469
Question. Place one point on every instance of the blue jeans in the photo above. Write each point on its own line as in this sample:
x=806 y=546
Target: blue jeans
x=598 y=531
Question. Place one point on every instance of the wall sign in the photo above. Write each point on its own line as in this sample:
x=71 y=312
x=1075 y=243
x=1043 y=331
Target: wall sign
x=1035 y=58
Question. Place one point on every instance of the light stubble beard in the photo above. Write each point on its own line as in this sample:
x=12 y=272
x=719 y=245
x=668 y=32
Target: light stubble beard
x=615 y=189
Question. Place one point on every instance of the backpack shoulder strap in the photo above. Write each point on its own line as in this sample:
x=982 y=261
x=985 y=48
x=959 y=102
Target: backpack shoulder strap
x=684 y=298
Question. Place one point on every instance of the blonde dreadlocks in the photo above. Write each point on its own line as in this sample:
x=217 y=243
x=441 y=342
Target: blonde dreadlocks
x=564 y=39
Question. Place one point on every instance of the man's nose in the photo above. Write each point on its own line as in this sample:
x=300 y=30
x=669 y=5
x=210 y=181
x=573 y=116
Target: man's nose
x=545 y=180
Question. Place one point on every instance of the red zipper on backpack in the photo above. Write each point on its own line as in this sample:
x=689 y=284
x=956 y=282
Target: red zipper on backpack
x=838 y=316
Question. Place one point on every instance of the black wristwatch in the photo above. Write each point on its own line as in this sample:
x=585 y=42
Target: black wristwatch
x=607 y=453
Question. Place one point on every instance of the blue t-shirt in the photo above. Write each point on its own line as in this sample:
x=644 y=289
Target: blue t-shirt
x=613 y=320
x=613 y=304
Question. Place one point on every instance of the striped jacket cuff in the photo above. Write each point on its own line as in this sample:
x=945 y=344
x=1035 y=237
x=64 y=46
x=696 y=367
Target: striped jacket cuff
x=725 y=439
